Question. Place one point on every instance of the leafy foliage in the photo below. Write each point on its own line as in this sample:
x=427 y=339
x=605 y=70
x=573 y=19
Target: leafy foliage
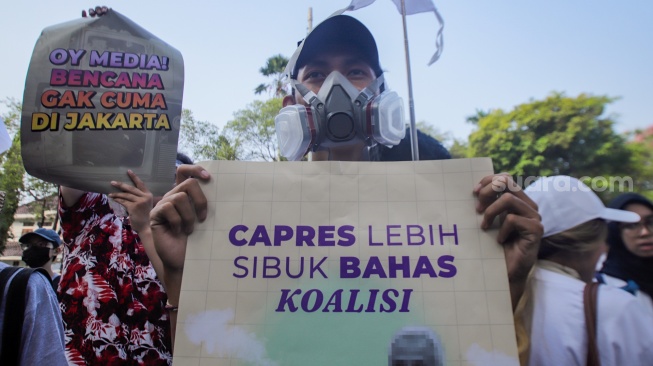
x=12 y=116
x=273 y=68
x=11 y=182
x=253 y=129
x=641 y=161
x=432 y=131
x=249 y=136
x=11 y=177
x=457 y=148
x=557 y=135
x=42 y=194
x=15 y=182
x=202 y=140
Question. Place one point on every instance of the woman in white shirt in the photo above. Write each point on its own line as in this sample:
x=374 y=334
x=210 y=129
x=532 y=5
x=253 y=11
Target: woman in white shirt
x=575 y=229
x=629 y=264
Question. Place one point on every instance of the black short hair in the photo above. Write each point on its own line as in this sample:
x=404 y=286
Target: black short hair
x=183 y=158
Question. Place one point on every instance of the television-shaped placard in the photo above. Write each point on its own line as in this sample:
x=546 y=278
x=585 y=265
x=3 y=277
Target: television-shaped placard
x=102 y=96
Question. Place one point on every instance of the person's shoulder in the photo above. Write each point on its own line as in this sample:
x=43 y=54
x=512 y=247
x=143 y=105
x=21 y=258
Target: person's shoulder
x=611 y=298
x=621 y=315
x=615 y=293
x=613 y=281
x=37 y=287
x=35 y=274
x=39 y=279
x=40 y=294
x=627 y=287
x=429 y=149
x=558 y=279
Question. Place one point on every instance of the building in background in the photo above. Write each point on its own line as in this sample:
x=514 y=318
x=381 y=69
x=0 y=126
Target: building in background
x=28 y=218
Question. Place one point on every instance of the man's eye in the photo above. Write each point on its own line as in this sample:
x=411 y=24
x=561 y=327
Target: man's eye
x=357 y=73
x=314 y=75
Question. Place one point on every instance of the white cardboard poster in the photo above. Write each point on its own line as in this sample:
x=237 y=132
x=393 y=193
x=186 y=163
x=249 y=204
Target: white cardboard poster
x=333 y=263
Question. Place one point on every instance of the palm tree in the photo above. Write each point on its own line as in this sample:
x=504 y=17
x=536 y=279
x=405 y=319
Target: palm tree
x=273 y=68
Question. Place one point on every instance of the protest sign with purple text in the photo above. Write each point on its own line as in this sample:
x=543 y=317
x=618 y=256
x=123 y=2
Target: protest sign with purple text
x=102 y=96
x=344 y=263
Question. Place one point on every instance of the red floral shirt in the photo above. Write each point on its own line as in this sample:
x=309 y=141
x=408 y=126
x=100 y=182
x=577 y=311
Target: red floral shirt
x=111 y=301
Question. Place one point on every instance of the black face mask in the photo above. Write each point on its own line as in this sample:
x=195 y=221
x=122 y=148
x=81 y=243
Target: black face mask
x=36 y=256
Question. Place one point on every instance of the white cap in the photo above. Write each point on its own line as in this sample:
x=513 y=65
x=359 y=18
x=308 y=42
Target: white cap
x=565 y=202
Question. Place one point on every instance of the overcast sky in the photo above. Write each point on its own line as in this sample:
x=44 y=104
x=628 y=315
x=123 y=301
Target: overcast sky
x=497 y=54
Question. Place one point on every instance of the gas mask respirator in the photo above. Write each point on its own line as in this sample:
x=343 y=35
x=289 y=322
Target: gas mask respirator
x=340 y=120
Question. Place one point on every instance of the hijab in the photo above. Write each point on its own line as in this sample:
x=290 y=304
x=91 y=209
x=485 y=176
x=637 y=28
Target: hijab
x=622 y=263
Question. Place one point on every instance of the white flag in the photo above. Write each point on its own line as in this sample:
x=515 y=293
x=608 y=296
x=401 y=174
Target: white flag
x=415 y=6
x=5 y=140
x=412 y=7
x=357 y=4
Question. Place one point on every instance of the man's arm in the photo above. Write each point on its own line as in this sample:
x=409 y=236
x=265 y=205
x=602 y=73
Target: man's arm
x=137 y=200
x=172 y=220
x=521 y=226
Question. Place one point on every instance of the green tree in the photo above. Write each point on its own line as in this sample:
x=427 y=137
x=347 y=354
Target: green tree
x=11 y=182
x=475 y=118
x=15 y=183
x=429 y=129
x=42 y=194
x=202 y=140
x=557 y=135
x=12 y=116
x=253 y=127
x=11 y=177
x=641 y=161
x=457 y=147
x=274 y=67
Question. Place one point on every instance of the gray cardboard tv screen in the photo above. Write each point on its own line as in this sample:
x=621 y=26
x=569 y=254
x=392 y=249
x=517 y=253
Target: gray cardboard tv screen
x=102 y=95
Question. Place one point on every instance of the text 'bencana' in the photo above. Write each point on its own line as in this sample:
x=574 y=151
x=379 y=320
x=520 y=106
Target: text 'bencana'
x=129 y=101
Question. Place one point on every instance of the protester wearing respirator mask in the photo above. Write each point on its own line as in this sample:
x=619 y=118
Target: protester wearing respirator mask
x=341 y=112
x=40 y=249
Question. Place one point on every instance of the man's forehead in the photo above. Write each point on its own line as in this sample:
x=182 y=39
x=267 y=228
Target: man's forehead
x=342 y=54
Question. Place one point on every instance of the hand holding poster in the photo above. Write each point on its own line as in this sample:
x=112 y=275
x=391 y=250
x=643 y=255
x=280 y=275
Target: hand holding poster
x=102 y=95
x=339 y=263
